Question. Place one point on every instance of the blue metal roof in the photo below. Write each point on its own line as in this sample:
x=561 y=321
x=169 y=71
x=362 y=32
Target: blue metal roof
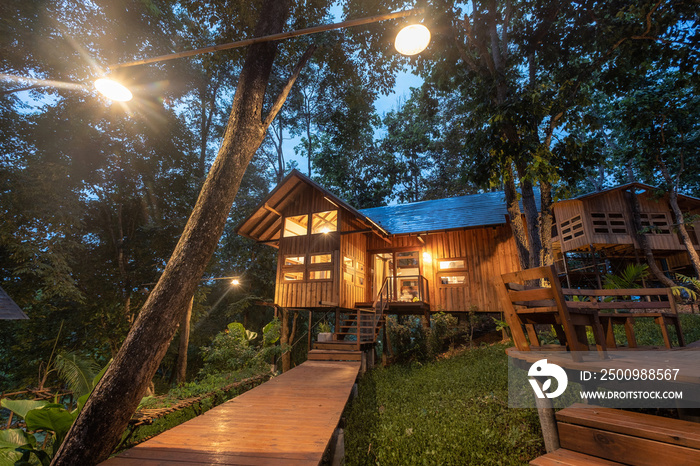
x=443 y=214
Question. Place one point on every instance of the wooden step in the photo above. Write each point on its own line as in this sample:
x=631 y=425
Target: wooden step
x=563 y=457
x=334 y=355
x=662 y=429
x=335 y=345
x=627 y=437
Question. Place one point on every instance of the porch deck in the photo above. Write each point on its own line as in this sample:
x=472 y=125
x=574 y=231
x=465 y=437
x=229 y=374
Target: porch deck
x=288 y=420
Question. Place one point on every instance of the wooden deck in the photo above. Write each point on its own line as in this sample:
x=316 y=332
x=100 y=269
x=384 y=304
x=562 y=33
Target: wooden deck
x=288 y=420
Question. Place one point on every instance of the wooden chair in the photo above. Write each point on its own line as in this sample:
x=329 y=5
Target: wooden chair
x=612 y=311
x=527 y=304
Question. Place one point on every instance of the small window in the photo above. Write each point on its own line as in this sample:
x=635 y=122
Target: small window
x=293 y=260
x=347 y=277
x=453 y=280
x=451 y=264
x=321 y=259
x=347 y=261
x=296 y=226
x=360 y=267
x=360 y=281
x=320 y=275
x=324 y=222
x=293 y=276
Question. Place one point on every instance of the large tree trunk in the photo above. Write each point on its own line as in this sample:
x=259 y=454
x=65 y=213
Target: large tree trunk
x=181 y=369
x=685 y=236
x=516 y=220
x=644 y=243
x=106 y=414
x=546 y=222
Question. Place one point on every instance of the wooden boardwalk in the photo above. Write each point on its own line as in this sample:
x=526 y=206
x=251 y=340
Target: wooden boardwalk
x=288 y=420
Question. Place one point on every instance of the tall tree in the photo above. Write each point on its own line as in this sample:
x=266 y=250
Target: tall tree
x=99 y=426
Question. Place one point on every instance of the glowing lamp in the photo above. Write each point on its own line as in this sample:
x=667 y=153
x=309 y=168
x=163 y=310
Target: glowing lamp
x=325 y=230
x=412 y=39
x=235 y=282
x=113 y=90
x=427 y=257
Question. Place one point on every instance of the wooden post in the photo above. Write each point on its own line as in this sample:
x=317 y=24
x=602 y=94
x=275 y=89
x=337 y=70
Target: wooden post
x=337 y=323
x=357 y=327
x=595 y=267
x=310 y=330
x=566 y=269
x=545 y=411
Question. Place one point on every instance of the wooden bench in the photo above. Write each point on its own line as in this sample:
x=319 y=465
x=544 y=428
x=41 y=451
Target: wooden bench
x=527 y=304
x=599 y=436
x=611 y=312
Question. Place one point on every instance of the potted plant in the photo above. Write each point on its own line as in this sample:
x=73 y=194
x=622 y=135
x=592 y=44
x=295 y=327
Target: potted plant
x=324 y=331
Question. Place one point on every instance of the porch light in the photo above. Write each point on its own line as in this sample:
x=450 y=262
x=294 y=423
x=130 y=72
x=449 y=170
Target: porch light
x=113 y=90
x=235 y=282
x=412 y=39
x=427 y=257
x=325 y=230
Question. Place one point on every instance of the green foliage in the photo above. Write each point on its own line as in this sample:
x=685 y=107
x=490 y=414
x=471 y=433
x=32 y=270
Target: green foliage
x=411 y=341
x=324 y=327
x=231 y=350
x=78 y=372
x=631 y=277
x=690 y=290
x=453 y=411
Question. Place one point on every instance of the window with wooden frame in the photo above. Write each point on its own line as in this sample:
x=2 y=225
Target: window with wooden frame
x=293 y=260
x=656 y=222
x=359 y=273
x=319 y=275
x=293 y=276
x=297 y=225
x=608 y=223
x=324 y=222
x=451 y=264
x=321 y=258
x=448 y=280
x=572 y=228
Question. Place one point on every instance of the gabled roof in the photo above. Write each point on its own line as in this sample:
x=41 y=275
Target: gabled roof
x=473 y=210
x=625 y=187
x=9 y=310
x=266 y=221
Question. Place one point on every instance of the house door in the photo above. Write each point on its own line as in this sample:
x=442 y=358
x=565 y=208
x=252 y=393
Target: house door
x=383 y=267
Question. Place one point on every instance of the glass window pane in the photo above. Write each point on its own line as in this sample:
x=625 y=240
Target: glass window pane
x=293 y=260
x=347 y=277
x=453 y=280
x=360 y=267
x=451 y=264
x=360 y=280
x=321 y=259
x=347 y=261
x=324 y=222
x=293 y=276
x=320 y=275
x=296 y=226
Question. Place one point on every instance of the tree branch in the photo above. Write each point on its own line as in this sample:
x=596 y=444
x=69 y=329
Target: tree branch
x=282 y=97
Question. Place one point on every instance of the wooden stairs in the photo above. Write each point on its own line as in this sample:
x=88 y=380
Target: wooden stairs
x=350 y=339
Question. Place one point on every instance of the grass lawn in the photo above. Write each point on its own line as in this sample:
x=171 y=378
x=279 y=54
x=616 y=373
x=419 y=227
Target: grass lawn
x=453 y=411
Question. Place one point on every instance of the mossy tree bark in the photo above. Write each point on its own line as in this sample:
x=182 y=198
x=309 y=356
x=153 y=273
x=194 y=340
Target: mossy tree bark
x=99 y=427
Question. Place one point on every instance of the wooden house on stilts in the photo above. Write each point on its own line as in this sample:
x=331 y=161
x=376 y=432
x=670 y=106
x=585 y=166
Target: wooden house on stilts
x=412 y=259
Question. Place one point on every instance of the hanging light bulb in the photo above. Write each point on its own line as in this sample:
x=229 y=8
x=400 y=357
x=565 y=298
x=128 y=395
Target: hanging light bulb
x=235 y=282
x=412 y=39
x=113 y=90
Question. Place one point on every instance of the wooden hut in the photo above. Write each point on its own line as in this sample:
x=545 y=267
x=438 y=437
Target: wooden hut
x=424 y=257
x=594 y=234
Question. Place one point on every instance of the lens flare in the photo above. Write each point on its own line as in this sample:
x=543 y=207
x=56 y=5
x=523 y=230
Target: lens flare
x=113 y=90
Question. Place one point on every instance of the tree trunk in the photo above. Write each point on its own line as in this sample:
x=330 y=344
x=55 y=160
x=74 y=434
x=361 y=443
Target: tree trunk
x=643 y=243
x=184 y=344
x=531 y=220
x=288 y=338
x=685 y=236
x=546 y=222
x=516 y=220
x=99 y=427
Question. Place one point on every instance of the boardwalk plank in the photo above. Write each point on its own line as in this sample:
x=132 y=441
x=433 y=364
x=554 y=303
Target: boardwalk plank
x=288 y=420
